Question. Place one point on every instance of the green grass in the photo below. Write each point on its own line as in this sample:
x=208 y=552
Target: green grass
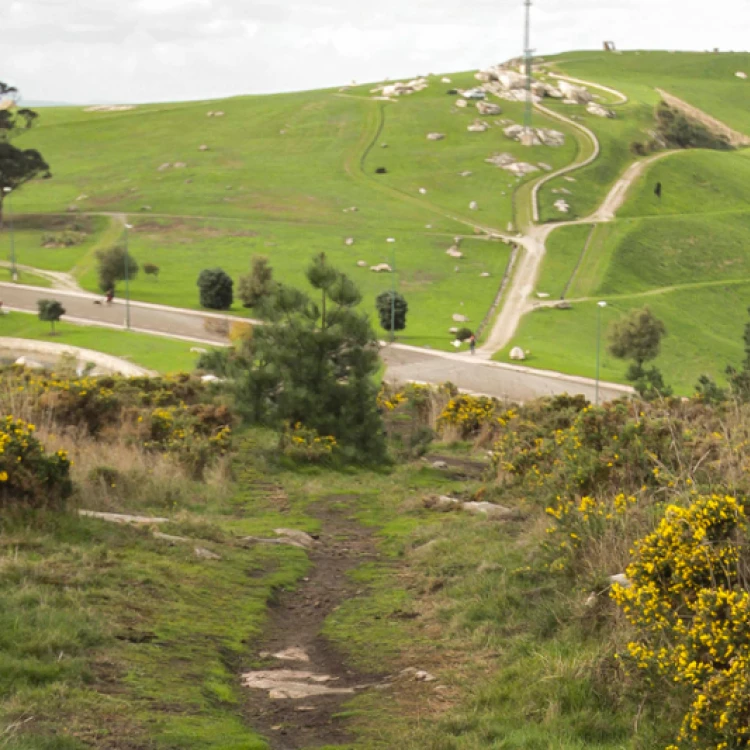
x=565 y=248
x=706 y=81
x=155 y=353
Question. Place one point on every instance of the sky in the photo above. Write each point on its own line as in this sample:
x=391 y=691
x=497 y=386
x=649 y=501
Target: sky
x=112 y=51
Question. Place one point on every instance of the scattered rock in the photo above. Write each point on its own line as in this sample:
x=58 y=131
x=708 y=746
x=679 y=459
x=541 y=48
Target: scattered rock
x=600 y=111
x=391 y=239
x=539 y=136
x=741 y=74
x=423 y=191
x=250 y=540
x=620 y=578
x=441 y=502
x=301 y=537
x=439 y=465
x=490 y=510
x=203 y=147
x=517 y=353
x=82 y=197
x=453 y=329
x=488 y=108
x=543 y=165
x=146 y=208
x=462 y=103
x=210 y=378
x=473 y=205
x=478 y=127
x=569 y=179
x=198 y=350
x=122 y=517
x=422 y=676
x=564 y=305
x=170 y=538
x=484 y=275
x=458 y=318
x=454 y=252
x=292 y=653
x=351 y=209
x=435 y=136
x=521 y=168
x=179 y=165
x=362 y=263
x=349 y=241
x=31 y=364
x=289 y=684
x=562 y=205
x=445 y=79
x=574 y=94
x=501 y=160
x=72 y=208
x=381 y=268
x=205 y=554
x=542 y=295
x=465 y=173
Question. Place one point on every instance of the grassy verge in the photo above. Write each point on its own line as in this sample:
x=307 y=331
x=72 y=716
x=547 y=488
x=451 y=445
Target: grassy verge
x=153 y=352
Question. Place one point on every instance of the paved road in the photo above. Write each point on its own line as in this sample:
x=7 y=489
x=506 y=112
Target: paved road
x=404 y=363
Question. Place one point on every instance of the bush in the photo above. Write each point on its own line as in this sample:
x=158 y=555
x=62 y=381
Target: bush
x=464 y=333
x=304 y=444
x=115 y=264
x=50 y=310
x=151 y=269
x=392 y=309
x=258 y=285
x=216 y=289
x=29 y=477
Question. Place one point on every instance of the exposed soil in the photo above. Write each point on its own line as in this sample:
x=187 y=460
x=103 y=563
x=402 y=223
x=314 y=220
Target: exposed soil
x=296 y=620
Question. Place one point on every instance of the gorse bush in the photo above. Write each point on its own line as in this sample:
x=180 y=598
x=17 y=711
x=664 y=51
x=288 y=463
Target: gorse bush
x=688 y=602
x=29 y=477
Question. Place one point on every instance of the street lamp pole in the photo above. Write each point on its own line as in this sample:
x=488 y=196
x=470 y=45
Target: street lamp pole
x=599 y=307
x=13 y=269
x=127 y=278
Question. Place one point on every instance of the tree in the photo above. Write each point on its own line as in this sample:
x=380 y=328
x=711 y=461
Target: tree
x=50 y=310
x=258 y=285
x=391 y=307
x=215 y=287
x=115 y=265
x=17 y=166
x=313 y=363
x=151 y=269
x=637 y=336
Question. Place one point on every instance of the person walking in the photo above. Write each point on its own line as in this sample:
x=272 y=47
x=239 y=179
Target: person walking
x=472 y=343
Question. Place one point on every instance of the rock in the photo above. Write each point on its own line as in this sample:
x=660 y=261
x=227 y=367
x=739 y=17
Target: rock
x=517 y=353
x=170 y=538
x=422 y=676
x=435 y=136
x=453 y=330
x=198 y=350
x=462 y=103
x=122 y=517
x=458 y=318
x=445 y=79
x=478 y=127
x=569 y=179
x=428 y=226
x=362 y=263
x=205 y=554
x=563 y=305
x=391 y=240
x=289 y=684
x=423 y=191
x=621 y=579
x=250 y=540
x=29 y=363
x=381 y=267
x=741 y=74
x=501 y=160
x=521 y=168
x=597 y=109
x=209 y=378
x=542 y=295
x=293 y=653
x=442 y=502
x=454 y=252
x=349 y=241
x=488 y=108
x=301 y=537
x=439 y=465
x=473 y=205
x=219 y=114
x=465 y=173
x=179 y=165
x=82 y=197
x=490 y=510
x=575 y=94
x=543 y=165
x=562 y=205
x=484 y=275
x=72 y=208
x=146 y=208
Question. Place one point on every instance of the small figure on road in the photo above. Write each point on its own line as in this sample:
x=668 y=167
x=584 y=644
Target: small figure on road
x=657 y=190
x=472 y=343
x=110 y=295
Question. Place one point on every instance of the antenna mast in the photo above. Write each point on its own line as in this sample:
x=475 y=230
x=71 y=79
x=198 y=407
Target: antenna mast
x=528 y=135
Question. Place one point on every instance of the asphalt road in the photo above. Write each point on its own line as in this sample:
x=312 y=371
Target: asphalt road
x=404 y=363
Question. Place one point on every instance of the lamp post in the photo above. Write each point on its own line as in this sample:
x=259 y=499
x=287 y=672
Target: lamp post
x=599 y=307
x=392 y=241
x=127 y=278
x=13 y=269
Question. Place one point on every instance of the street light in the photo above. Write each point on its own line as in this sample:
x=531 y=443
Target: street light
x=127 y=279
x=600 y=306
x=13 y=269
x=392 y=241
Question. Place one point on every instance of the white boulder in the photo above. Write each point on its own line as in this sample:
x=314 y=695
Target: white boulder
x=458 y=318
x=381 y=268
x=473 y=205
x=488 y=108
x=599 y=111
x=575 y=94
x=741 y=74
x=517 y=353
x=478 y=127
x=435 y=136
x=349 y=241
x=423 y=191
x=362 y=263
x=462 y=103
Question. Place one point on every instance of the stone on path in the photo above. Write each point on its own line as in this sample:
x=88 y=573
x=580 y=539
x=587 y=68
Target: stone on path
x=291 y=684
x=301 y=537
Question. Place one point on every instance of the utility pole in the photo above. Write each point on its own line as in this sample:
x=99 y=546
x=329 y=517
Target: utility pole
x=13 y=269
x=127 y=279
x=600 y=306
x=528 y=136
x=393 y=291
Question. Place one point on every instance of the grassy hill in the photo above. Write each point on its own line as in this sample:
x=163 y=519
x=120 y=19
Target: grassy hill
x=277 y=178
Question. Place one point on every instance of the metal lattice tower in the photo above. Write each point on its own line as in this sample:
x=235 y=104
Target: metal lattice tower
x=528 y=55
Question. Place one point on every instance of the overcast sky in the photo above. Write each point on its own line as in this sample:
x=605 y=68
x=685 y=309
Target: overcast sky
x=155 y=50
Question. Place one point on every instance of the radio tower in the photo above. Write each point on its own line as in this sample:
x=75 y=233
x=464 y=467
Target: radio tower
x=528 y=134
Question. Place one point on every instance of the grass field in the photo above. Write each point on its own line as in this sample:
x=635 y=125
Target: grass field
x=155 y=353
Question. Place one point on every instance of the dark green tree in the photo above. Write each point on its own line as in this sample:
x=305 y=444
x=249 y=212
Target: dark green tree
x=391 y=307
x=115 y=265
x=51 y=311
x=258 y=285
x=17 y=166
x=637 y=336
x=151 y=269
x=314 y=363
x=216 y=289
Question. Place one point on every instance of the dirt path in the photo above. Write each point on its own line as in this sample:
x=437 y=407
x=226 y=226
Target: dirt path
x=304 y=656
x=621 y=98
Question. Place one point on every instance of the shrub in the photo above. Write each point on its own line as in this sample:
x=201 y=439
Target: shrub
x=66 y=238
x=257 y=285
x=29 y=477
x=392 y=309
x=463 y=334
x=50 y=310
x=151 y=269
x=304 y=444
x=215 y=287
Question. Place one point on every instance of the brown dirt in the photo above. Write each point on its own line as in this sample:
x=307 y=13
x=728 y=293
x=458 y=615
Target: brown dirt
x=296 y=620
